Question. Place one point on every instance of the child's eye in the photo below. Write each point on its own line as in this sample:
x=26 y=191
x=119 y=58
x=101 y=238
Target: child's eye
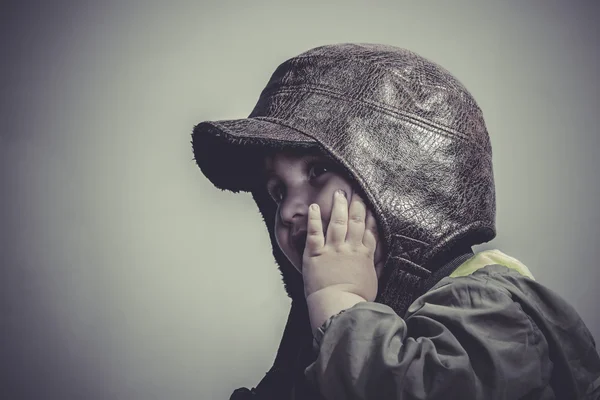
x=318 y=169
x=276 y=191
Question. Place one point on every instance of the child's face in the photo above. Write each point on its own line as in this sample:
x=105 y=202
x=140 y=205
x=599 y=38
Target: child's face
x=295 y=181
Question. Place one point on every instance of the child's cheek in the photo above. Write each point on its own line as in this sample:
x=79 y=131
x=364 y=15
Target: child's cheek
x=279 y=237
x=326 y=198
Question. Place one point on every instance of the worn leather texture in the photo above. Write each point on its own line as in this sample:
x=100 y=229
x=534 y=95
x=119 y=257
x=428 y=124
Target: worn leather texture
x=404 y=128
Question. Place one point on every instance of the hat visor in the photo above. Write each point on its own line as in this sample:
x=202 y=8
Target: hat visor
x=230 y=153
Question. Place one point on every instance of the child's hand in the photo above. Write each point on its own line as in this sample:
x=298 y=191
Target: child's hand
x=343 y=262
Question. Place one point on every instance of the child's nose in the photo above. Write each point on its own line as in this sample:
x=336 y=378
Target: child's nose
x=292 y=209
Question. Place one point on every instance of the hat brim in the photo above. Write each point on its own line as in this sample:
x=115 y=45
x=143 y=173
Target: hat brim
x=230 y=152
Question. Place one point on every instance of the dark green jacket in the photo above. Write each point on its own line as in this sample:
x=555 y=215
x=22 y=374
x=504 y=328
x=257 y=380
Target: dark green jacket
x=487 y=331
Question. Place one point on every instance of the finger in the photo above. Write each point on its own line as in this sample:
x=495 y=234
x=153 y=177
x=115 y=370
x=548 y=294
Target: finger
x=371 y=235
x=338 y=224
x=356 y=220
x=314 y=230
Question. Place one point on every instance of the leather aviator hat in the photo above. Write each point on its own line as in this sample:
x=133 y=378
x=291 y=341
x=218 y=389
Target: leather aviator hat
x=409 y=134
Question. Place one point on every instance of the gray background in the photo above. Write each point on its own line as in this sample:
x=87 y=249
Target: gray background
x=126 y=275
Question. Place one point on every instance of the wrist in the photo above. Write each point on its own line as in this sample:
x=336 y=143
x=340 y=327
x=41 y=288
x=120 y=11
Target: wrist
x=325 y=303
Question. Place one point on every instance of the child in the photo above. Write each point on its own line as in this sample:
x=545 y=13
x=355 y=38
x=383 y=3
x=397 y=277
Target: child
x=372 y=169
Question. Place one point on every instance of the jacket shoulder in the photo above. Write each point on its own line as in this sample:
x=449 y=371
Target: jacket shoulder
x=572 y=348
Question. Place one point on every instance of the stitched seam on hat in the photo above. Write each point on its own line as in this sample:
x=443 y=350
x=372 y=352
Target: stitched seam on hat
x=383 y=65
x=282 y=123
x=376 y=106
x=411 y=268
x=409 y=238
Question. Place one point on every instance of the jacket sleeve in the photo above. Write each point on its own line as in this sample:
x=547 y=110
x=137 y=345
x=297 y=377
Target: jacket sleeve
x=466 y=339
